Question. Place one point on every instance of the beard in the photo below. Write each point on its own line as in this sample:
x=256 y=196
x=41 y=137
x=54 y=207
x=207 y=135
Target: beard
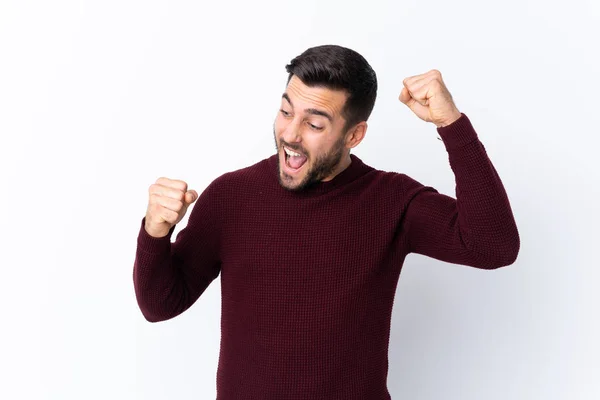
x=323 y=166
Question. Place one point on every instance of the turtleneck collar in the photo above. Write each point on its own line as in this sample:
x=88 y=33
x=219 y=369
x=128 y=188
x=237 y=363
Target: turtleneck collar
x=355 y=170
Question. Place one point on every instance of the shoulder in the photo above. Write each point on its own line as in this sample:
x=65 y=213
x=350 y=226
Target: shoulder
x=222 y=195
x=253 y=174
x=391 y=180
x=395 y=185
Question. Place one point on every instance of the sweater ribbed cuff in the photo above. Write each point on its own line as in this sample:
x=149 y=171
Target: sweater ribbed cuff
x=458 y=133
x=152 y=245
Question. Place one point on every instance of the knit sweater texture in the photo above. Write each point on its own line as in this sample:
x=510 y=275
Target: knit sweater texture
x=308 y=278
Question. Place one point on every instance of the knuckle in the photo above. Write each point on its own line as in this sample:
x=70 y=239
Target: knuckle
x=177 y=205
x=166 y=214
x=178 y=184
x=161 y=200
x=155 y=189
x=155 y=209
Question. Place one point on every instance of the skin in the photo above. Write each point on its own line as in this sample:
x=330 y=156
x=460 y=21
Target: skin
x=428 y=97
x=317 y=137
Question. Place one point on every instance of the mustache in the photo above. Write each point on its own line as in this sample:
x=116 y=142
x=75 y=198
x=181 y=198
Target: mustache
x=297 y=149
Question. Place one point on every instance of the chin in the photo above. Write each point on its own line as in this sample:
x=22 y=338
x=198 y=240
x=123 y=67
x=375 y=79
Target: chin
x=293 y=184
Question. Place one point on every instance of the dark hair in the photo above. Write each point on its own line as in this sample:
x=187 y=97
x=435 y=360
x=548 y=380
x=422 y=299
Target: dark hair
x=335 y=68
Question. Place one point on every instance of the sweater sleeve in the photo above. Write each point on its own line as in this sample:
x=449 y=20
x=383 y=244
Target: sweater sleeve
x=475 y=229
x=169 y=277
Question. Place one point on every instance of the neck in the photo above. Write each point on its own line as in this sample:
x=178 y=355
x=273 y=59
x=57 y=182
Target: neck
x=342 y=165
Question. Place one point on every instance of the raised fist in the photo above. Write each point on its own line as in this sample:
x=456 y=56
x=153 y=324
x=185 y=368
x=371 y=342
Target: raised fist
x=168 y=202
x=428 y=97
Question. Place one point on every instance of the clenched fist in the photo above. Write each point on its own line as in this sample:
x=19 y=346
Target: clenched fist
x=168 y=202
x=428 y=97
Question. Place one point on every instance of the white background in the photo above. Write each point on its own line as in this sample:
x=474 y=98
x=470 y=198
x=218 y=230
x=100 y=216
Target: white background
x=99 y=99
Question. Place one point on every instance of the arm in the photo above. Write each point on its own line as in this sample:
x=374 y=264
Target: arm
x=477 y=228
x=169 y=277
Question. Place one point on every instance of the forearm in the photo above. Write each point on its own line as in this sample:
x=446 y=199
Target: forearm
x=156 y=280
x=485 y=217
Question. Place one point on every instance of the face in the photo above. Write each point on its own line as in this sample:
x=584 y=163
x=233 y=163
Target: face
x=309 y=137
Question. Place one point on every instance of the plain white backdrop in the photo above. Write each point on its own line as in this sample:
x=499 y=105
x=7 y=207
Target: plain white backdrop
x=99 y=99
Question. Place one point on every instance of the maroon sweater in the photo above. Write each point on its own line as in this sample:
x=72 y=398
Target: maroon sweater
x=308 y=279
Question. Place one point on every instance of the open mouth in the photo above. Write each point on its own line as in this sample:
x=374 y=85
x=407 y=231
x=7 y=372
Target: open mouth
x=293 y=160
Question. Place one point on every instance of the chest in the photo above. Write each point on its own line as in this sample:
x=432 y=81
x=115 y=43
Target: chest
x=312 y=244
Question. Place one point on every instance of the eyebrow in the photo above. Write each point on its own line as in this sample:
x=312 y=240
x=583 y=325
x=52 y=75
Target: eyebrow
x=312 y=111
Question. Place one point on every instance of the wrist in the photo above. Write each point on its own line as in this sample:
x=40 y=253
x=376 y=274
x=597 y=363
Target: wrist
x=154 y=231
x=458 y=134
x=449 y=121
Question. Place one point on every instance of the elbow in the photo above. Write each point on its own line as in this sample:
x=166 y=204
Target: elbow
x=504 y=255
x=511 y=250
x=500 y=262
x=512 y=255
x=148 y=314
x=157 y=310
x=153 y=310
x=151 y=315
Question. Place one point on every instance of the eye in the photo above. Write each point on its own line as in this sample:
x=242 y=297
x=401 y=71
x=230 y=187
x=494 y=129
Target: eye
x=317 y=128
x=285 y=113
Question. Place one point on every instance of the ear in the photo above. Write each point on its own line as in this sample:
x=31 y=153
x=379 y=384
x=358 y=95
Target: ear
x=356 y=134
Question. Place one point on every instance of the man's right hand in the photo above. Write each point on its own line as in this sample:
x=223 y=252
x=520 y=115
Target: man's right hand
x=168 y=202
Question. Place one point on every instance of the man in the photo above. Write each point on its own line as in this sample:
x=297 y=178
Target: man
x=310 y=241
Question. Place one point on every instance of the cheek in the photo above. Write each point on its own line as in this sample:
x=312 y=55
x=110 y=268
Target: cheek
x=321 y=144
x=312 y=146
x=279 y=126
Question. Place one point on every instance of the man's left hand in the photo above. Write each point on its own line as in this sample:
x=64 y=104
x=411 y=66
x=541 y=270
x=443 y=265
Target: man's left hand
x=427 y=96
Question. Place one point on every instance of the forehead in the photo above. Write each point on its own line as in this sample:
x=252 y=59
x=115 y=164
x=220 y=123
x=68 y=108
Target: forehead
x=303 y=96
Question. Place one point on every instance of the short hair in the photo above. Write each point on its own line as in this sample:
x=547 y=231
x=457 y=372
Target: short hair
x=336 y=67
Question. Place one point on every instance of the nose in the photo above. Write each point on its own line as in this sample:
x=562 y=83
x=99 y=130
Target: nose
x=291 y=133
